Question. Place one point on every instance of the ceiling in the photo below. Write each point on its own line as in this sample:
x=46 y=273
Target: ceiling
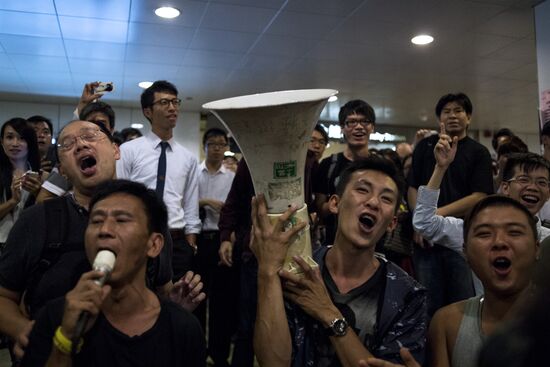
x=224 y=48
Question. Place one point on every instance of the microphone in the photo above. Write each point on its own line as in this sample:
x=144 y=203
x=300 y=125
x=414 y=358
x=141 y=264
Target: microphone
x=103 y=262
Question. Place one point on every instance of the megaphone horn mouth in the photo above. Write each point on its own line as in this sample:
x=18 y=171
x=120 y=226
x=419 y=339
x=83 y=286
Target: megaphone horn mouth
x=271 y=99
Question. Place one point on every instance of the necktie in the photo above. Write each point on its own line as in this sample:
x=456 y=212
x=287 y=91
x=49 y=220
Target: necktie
x=161 y=171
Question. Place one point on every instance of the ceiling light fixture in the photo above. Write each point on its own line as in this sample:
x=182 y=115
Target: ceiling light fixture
x=145 y=85
x=137 y=126
x=422 y=39
x=167 y=12
x=332 y=98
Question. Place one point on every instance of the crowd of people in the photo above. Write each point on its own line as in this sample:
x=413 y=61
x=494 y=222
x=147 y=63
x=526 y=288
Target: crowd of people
x=419 y=262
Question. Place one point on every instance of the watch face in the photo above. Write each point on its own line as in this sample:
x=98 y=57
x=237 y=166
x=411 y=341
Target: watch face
x=340 y=326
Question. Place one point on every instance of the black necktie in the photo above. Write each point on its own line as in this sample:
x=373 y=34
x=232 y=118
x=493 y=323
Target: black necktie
x=161 y=171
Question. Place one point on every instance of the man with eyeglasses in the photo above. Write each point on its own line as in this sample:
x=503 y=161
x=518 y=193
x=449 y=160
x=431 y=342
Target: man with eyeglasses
x=525 y=179
x=220 y=282
x=159 y=162
x=469 y=178
x=318 y=142
x=357 y=121
x=44 y=255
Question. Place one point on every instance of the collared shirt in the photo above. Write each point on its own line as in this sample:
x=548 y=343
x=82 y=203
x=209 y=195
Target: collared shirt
x=139 y=162
x=213 y=186
x=445 y=231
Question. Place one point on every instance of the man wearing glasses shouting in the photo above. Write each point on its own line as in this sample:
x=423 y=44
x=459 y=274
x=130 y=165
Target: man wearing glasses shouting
x=162 y=164
x=357 y=121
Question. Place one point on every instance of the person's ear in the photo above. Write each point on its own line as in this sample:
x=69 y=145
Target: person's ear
x=155 y=244
x=148 y=112
x=333 y=203
x=392 y=224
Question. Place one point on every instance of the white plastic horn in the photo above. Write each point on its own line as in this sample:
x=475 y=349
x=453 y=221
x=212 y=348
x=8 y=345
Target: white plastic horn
x=273 y=131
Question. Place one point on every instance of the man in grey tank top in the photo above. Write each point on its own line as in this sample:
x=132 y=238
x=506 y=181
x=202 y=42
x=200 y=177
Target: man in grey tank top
x=501 y=248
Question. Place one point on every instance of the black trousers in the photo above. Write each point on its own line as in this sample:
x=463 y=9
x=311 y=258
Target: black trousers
x=221 y=285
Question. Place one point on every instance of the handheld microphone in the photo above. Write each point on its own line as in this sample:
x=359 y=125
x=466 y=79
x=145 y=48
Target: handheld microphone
x=103 y=262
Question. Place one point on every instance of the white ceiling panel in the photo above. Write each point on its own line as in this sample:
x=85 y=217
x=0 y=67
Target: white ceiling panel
x=326 y=7
x=33 y=6
x=160 y=34
x=230 y=18
x=32 y=45
x=212 y=40
x=212 y=59
x=150 y=71
x=514 y=22
x=154 y=54
x=28 y=64
x=93 y=29
x=94 y=67
x=269 y=4
x=303 y=25
x=5 y=61
x=19 y=23
x=95 y=50
x=104 y=9
x=270 y=44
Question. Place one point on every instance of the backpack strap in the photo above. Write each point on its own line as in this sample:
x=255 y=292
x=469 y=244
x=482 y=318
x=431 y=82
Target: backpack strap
x=57 y=219
x=332 y=167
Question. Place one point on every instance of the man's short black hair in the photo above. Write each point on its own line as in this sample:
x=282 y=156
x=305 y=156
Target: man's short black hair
x=37 y=118
x=321 y=130
x=460 y=98
x=155 y=209
x=498 y=201
x=502 y=132
x=545 y=129
x=359 y=107
x=160 y=86
x=102 y=107
x=374 y=163
x=212 y=132
x=129 y=131
x=526 y=162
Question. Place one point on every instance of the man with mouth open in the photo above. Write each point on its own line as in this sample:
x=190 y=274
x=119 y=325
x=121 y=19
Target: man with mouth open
x=501 y=247
x=525 y=178
x=357 y=121
x=355 y=305
x=44 y=254
x=129 y=325
x=141 y=161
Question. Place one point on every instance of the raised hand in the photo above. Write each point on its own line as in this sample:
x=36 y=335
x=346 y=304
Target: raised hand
x=270 y=242
x=445 y=149
x=187 y=292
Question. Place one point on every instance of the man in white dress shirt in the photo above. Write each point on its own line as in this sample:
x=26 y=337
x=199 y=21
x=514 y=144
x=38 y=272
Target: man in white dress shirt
x=142 y=160
x=221 y=282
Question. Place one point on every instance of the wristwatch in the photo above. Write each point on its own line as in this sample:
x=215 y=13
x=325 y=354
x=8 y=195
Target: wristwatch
x=338 y=327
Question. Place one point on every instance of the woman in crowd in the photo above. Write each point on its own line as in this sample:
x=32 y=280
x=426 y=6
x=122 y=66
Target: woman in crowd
x=18 y=185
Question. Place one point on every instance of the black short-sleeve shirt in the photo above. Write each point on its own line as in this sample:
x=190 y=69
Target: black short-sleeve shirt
x=470 y=171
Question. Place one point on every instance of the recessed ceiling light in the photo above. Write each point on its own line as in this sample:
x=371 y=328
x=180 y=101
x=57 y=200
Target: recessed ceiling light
x=137 y=126
x=167 y=12
x=422 y=39
x=145 y=85
x=332 y=98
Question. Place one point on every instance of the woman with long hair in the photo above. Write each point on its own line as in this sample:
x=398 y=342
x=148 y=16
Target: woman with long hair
x=19 y=171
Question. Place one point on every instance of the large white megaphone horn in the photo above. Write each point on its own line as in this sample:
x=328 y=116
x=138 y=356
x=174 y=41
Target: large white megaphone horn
x=273 y=131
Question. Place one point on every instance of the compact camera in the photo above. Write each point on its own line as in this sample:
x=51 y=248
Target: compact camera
x=104 y=87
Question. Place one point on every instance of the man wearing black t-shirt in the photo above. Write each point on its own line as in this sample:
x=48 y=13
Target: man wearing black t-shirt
x=468 y=179
x=128 y=324
x=357 y=120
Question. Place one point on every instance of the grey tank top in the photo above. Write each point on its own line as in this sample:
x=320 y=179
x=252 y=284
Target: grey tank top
x=469 y=338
